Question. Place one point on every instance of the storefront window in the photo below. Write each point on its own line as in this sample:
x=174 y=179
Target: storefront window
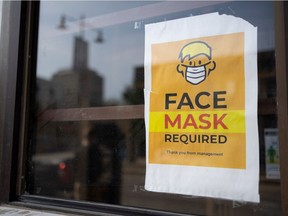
x=88 y=131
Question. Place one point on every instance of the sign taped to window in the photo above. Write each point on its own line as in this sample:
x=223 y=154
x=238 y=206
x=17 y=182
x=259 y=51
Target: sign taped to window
x=201 y=107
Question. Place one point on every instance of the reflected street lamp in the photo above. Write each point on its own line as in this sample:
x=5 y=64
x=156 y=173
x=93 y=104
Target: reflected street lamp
x=63 y=26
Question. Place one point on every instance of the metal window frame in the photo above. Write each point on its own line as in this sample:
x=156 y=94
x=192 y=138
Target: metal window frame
x=19 y=30
x=9 y=85
x=281 y=53
x=18 y=51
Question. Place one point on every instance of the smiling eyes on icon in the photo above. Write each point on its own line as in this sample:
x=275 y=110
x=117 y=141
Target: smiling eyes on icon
x=199 y=63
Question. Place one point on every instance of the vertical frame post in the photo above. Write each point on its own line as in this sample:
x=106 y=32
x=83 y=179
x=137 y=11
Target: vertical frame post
x=9 y=49
x=281 y=51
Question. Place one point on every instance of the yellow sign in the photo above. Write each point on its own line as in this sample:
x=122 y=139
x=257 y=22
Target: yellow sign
x=197 y=102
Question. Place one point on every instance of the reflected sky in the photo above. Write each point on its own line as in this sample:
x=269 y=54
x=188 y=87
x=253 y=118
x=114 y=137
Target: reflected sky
x=123 y=48
x=0 y=11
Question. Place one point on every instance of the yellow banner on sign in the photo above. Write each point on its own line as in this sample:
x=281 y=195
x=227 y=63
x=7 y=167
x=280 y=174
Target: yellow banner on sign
x=228 y=121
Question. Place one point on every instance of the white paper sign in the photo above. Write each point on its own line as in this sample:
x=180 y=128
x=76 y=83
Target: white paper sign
x=201 y=107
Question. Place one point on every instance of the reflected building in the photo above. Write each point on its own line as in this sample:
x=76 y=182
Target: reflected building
x=75 y=87
x=45 y=94
x=78 y=86
x=134 y=95
x=89 y=149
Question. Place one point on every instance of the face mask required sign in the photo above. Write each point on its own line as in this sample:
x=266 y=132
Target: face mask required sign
x=201 y=107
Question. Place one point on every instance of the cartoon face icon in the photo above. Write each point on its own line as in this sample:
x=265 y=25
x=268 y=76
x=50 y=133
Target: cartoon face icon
x=196 y=62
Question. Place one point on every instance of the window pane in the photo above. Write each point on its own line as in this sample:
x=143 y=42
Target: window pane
x=88 y=129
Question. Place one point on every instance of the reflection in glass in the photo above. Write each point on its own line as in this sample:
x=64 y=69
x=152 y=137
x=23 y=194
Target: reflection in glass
x=103 y=159
x=1 y=2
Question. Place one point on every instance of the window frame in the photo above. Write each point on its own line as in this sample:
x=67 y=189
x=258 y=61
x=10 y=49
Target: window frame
x=281 y=53
x=18 y=43
x=9 y=96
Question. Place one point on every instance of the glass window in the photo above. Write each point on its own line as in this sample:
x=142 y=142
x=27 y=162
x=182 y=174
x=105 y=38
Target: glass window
x=87 y=129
